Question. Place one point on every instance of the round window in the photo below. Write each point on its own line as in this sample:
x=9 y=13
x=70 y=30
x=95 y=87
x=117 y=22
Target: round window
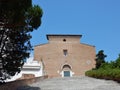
x=64 y=40
x=88 y=62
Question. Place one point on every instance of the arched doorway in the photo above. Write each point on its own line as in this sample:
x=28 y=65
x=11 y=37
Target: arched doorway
x=66 y=71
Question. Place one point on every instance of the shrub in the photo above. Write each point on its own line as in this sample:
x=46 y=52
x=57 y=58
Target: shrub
x=104 y=73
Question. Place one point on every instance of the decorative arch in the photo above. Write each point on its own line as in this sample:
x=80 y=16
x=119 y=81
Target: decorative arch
x=66 y=66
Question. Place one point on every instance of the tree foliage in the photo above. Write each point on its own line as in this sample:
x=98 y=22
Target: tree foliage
x=100 y=58
x=107 y=70
x=17 y=19
x=117 y=62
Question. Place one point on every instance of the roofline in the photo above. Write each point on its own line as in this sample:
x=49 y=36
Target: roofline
x=40 y=44
x=87 y=44
x=61 y=35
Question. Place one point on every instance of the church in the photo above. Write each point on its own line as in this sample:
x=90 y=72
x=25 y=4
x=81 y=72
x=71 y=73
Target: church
x=65 y=56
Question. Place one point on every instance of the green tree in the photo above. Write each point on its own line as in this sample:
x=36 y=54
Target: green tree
x=117 y=62
x=100 y=58
x=17 y=19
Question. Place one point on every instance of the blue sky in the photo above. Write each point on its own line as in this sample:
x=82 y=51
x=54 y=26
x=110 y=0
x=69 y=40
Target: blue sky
x=97 y=20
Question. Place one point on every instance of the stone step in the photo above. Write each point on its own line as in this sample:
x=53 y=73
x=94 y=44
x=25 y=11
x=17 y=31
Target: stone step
x=74 y=83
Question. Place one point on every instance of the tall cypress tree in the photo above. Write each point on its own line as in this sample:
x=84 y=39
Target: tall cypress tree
x=100 y=58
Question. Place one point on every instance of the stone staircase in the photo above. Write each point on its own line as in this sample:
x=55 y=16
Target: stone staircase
x=74 y=83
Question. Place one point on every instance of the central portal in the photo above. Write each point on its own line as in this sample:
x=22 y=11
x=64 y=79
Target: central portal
x=66 y=71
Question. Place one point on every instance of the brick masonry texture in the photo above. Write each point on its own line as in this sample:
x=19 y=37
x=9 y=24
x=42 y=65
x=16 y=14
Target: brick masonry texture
x=79 y=57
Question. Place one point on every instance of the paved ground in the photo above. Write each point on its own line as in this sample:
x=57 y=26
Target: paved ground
x=74 y=83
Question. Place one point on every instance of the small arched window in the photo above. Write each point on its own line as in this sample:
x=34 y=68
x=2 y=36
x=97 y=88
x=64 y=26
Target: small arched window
x=65 y=52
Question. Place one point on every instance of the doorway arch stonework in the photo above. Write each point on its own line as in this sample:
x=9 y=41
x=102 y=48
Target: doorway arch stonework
x=66 y=71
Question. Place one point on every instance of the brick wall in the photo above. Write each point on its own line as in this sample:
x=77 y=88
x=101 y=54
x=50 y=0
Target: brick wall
x=15 y=84
x=80 y=57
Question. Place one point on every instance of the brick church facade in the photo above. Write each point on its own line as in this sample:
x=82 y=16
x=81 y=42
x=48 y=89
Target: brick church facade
x=65 y=56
